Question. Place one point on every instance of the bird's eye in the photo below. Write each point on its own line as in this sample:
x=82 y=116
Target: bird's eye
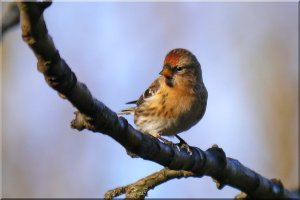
x=179 y=69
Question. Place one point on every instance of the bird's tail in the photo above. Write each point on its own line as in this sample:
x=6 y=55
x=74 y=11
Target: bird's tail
x=126 y=111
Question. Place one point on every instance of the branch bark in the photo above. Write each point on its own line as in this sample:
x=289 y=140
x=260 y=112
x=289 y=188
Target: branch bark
x=95 y=116
x=139 y=189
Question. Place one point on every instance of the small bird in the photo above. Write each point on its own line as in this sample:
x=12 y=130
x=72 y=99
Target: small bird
x=175 y=101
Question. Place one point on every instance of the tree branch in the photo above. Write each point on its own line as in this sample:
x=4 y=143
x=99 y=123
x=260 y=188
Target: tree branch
x=95 y=116
x=139 y=189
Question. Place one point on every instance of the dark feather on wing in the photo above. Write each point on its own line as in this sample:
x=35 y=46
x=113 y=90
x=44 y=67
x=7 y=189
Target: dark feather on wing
x=132 y=102
x=152 y=89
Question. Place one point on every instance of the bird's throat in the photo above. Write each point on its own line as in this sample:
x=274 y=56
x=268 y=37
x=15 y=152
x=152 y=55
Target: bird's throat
x=169 y=82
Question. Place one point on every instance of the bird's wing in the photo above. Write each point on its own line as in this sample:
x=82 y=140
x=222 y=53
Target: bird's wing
x=152 y=89
x=126 y=111
x=132 y=102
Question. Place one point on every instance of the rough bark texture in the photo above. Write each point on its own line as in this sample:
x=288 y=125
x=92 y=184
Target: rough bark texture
x=95 y=116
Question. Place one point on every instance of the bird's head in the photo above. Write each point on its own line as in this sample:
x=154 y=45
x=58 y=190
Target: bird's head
x=181 y=67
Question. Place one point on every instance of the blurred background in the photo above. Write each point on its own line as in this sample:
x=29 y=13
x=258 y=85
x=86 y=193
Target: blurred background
x=249 y=58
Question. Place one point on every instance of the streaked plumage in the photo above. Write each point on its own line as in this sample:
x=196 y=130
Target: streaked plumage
x=175 y=101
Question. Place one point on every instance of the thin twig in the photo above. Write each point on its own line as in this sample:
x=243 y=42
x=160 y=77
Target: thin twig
x=139 y=189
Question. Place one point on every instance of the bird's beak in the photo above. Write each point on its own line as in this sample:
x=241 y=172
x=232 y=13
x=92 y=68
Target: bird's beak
x=166 y=72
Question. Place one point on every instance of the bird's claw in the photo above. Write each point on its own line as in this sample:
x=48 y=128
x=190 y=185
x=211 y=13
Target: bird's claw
x=185 y=147
x=167 y=142
x=182 y=145
x=176 y=146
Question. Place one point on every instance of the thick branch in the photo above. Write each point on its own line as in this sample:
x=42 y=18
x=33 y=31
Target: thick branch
x=95 y=116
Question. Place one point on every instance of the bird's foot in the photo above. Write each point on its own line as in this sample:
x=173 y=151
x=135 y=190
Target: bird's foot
x=167 y=142
x=183 y=145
